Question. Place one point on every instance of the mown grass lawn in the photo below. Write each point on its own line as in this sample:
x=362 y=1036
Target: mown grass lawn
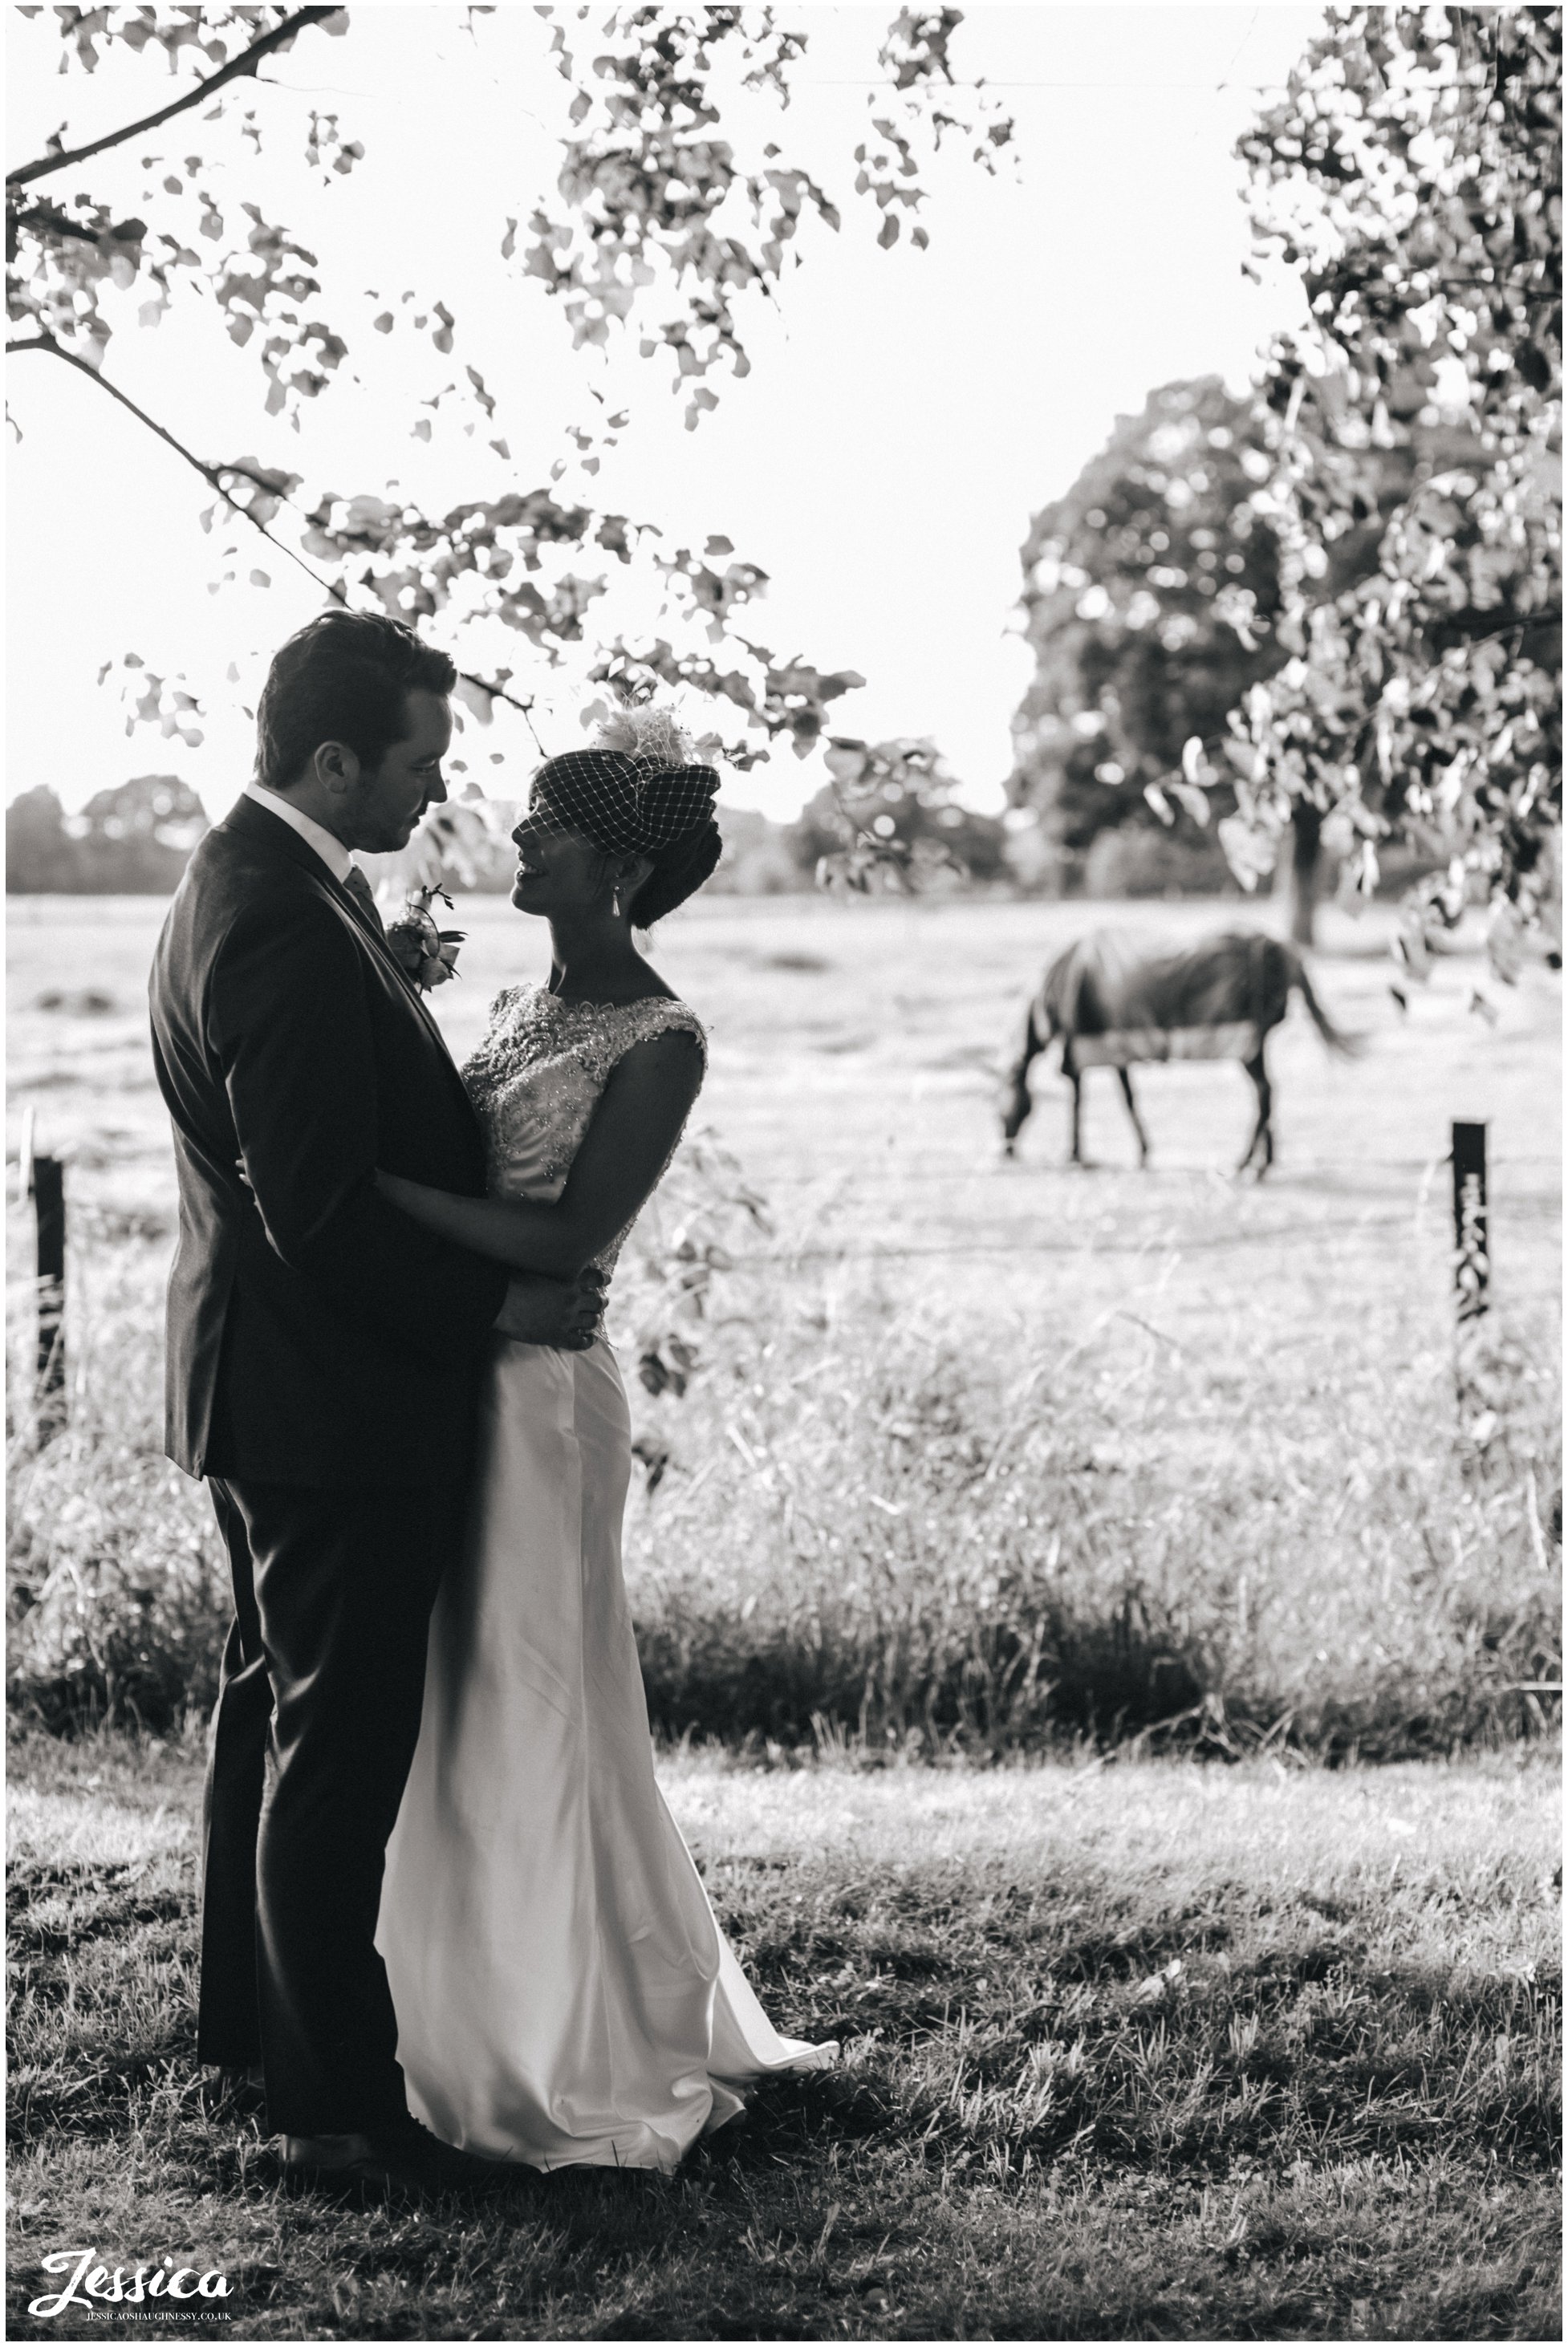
x=1131 y=2050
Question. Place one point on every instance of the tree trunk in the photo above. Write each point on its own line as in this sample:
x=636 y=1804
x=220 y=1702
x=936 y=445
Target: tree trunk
x=1299 y=873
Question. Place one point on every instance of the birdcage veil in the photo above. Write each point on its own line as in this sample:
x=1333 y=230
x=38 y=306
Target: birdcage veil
x=639 y=790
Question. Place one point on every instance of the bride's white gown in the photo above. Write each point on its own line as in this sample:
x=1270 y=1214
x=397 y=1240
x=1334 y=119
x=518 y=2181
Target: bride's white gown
x=564 y=1996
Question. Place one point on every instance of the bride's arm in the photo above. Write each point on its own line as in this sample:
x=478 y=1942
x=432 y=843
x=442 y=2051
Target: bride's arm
x=634 y=1128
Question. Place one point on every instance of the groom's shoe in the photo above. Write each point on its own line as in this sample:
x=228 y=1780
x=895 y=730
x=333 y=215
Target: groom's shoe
x=401 y=2162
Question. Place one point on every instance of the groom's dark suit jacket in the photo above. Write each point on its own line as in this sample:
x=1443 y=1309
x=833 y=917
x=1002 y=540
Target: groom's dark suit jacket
x=316 y=1336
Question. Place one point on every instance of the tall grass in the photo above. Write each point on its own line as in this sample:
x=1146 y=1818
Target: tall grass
x=117 y=1600
x=917 y=1534
x=866 y=1523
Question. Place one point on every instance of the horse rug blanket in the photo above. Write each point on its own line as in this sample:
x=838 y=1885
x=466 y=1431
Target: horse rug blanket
x=1122 y=1046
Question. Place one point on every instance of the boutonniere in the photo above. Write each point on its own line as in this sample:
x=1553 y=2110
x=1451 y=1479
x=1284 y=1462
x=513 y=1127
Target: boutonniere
x=428 y=953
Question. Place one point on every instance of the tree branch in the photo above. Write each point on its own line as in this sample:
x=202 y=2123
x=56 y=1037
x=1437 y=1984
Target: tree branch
x=215 y=475
x=511 y=700
x=44 y=217
x=235 y=70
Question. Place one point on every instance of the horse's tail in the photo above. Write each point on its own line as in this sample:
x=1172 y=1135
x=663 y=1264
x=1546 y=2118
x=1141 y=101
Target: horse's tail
x=1337 y=1038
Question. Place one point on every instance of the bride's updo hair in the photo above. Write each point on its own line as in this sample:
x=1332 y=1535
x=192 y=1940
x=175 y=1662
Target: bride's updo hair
x=637 y=791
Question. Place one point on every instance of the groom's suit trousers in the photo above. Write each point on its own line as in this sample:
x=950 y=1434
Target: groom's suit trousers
x=313 y=1738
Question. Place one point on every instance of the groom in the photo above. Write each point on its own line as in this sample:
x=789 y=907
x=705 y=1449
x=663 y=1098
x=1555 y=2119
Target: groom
x=323 y=1363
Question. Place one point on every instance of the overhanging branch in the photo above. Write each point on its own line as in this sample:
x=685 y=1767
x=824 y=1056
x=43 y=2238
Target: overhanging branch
x=235 y=70
x=215 y=475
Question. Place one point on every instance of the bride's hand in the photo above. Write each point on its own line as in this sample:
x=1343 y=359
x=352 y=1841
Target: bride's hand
x=564 y=1314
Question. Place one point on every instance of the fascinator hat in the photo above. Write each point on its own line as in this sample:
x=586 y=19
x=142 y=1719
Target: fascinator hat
x=636 y=791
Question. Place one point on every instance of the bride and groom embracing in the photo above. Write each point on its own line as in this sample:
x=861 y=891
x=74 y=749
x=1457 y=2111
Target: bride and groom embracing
x=445 y=1909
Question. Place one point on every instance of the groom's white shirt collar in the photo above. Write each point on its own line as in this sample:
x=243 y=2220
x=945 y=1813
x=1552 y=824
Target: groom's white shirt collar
x=333 y=852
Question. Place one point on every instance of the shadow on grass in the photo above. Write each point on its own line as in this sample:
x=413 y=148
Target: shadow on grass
x=1070 y=2106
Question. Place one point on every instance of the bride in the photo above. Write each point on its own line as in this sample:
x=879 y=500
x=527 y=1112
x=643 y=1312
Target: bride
x=564 y=1996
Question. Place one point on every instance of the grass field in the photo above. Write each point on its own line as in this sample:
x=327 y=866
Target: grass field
x=852 y=1051
x=979 y=1450
x=980 y=1460
x=1131 y=2050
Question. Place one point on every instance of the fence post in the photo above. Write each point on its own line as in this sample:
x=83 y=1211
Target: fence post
x=1472 y=1263
x=44 y=1182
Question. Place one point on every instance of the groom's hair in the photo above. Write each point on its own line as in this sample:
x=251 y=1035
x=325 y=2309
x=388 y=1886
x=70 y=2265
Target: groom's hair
x=345 y=677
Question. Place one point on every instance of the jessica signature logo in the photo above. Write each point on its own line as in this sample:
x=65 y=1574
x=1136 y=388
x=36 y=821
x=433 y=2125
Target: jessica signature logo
x=91 y=2280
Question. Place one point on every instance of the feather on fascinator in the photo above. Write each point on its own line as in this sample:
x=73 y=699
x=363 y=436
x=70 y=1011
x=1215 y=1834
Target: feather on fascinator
x=646 y=730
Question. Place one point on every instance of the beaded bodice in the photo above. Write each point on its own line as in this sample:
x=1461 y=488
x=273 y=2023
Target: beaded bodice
x=536 y=1080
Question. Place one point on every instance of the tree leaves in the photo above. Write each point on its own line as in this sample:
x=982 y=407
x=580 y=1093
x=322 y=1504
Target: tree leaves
x=63 y=252
x=890 y=821
x=1151 y=593
x=653 y=197
x=914 y=54
x=655 y=201
x=215 y=34
x=1416 y=158
x=151 y=700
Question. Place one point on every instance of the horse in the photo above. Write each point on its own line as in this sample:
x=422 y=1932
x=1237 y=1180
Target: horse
x=1112 y=1005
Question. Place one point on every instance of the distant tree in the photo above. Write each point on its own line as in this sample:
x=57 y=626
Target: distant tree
x=676 y=210
x=889 y=819
x=134 y=840
x=1150 y=591
x=41 y=857
x=1412 y=171
x=758 y=859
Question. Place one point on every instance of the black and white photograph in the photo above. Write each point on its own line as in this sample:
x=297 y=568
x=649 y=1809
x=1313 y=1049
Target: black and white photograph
x=784 y=1181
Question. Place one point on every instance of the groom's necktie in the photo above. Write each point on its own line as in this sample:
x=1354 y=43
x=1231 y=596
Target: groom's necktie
x=359 y=888
x=365 y=905
x=363 y=896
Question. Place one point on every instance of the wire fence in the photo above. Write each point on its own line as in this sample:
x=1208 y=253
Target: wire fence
x=870 y=1176
x=1316 y=1234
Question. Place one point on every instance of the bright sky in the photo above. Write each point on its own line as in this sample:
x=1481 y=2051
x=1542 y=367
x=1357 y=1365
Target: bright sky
x=905 y=413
